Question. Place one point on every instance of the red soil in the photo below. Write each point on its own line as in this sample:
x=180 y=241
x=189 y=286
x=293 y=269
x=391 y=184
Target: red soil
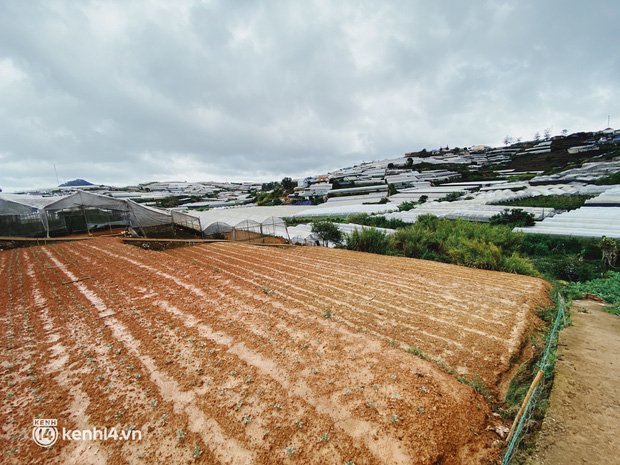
x=224 y=351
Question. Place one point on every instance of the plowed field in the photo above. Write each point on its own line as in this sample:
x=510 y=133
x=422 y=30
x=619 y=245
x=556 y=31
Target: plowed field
x=225 y=353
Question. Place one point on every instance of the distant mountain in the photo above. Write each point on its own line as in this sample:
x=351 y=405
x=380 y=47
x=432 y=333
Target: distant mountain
x=76 y=183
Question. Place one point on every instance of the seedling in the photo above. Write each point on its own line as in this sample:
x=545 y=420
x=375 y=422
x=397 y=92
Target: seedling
x=180 y=435
x=394 y=418
x=197 y=453
x=290 y=450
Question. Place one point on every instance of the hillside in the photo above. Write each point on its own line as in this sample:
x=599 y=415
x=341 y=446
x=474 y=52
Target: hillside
x=76 y=183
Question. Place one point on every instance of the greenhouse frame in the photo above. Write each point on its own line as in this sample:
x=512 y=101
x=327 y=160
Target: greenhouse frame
x=80 y=212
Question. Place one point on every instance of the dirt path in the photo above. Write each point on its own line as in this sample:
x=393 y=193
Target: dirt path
x=583 y=419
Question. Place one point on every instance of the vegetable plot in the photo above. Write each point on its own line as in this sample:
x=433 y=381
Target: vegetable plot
x=227 y=353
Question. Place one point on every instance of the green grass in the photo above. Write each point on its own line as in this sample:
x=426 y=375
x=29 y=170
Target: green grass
x=607 y=289
x=609 y=179
x=558 y=202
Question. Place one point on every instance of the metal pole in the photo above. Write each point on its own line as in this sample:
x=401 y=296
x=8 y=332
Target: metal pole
x=85 y=219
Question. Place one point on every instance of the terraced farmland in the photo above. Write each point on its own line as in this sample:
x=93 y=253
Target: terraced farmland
x=225 y=353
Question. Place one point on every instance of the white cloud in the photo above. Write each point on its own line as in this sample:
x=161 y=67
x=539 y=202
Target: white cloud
x=10 y=75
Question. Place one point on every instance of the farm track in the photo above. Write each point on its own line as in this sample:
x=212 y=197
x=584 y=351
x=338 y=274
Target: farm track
x=224 y=350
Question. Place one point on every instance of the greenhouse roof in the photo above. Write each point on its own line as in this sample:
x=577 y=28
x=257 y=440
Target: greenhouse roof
x=583 y=222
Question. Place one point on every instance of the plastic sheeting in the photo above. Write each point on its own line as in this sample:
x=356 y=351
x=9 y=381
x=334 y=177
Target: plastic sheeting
x=187 y=221
x=135 y=215
x=217 y=227
x=583 y=222
x=466 y=210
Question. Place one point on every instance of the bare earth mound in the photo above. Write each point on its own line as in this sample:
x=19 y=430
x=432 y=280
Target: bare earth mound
x=225 y=354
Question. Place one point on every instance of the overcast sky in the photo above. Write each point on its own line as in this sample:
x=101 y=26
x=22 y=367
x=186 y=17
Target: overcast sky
x=121 y=92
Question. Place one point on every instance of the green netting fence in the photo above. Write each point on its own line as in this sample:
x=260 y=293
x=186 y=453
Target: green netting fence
x=545 y=364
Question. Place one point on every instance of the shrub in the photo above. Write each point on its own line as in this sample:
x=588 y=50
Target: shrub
x=368 y=240
x=541 y=245
x=406 y=206
x=327 y=231
x=519 y=265
x=608 y=289
x=558 y=202
x=564 y=258
x=465 y=243
x=451 y=197
x=514 y=218
x=377 y=221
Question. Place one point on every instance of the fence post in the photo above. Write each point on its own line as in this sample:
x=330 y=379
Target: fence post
x=524 y=404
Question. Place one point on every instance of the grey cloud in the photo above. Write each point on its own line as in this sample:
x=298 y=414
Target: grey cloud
x=122 y=92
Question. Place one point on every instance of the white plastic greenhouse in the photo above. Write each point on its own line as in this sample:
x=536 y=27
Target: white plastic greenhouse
x=583 y=222
x=467 y=210
x=240 y=224
x=23 y=215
